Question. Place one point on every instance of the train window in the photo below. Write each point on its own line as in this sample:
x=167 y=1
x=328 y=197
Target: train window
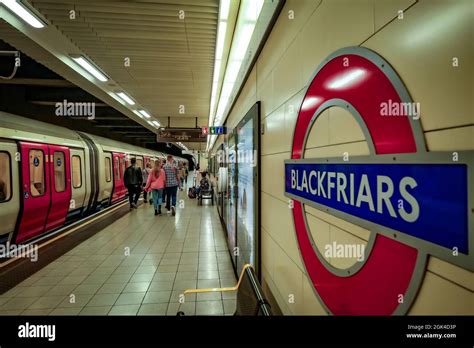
x=76 y=172
x=59 y=172
x=5 y=178
x=107 y=169
x=37 y=184
x=117 y=168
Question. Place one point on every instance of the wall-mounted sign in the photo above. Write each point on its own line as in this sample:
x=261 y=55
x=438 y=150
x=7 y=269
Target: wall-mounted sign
x=180 y=134
x=214 y=130
x=414 y=203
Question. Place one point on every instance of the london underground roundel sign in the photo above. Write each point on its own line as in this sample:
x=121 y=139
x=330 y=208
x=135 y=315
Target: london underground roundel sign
x=415 y=203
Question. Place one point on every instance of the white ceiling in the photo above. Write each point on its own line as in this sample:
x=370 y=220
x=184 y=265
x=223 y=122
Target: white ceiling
x=171 y=58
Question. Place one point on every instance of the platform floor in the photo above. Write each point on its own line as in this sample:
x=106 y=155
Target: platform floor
x=167 y=255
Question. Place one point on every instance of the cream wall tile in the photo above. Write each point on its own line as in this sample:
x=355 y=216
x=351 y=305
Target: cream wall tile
x=273 y=172
x=319 y=230
x=312 y=305
x=268 y=247
x=277 y=220
x=271 y=222
x=359 y=148
x=343 y=127
x=354 y=244
x=302 y=10
x=386 y=10
x=334 y=24
x=274 y=132
x=273 y=50
x=287 y=79
x=421 y=48
x=292 y=107
x=455 y=139
x=451 y=272
x=354 y=229
x=319 y=134
x=282 y=303
x=265 y=95
x=438 y=296
x=289 y=279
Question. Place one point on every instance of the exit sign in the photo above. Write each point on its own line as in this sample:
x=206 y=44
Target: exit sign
x=213 y=130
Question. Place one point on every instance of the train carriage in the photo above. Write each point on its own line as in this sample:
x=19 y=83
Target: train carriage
x=43 y=175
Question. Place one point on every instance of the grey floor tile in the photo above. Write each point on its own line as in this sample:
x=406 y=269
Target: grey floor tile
x=19 y=303
x=188 y=308
x=153 y=309
x=34 y=312
x=209 y=308
x=130 y=298
x=229 y=306
x=139 y=278
x=111 y=288
x=100 y=310
x=33 y=291
x=184 y=284
x=103 y=300
x=157 y=297
x=124 y=310
x=66 y=311
x=46 y=302
x=137 y=287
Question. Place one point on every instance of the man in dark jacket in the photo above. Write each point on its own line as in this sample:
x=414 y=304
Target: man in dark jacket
x=133 y=181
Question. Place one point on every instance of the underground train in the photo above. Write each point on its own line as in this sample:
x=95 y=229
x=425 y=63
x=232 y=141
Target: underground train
x=51 y=175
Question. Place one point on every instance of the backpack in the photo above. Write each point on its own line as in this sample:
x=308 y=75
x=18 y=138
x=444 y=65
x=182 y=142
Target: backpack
x=192 y=192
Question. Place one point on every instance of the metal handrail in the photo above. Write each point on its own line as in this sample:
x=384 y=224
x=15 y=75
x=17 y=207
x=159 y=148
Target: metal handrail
x=226 y=289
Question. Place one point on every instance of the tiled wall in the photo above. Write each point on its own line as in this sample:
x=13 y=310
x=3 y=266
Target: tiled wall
x=420 y=47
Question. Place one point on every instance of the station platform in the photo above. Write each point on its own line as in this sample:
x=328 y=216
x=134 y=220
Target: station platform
x=138 y=265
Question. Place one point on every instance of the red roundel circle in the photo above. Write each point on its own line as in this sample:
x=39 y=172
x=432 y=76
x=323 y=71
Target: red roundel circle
x=384 y=284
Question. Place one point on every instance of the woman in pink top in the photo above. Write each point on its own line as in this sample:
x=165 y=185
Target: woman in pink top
x=156 y=184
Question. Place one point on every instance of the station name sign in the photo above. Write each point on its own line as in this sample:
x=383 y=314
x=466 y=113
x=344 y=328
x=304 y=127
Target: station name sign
x=425 y=200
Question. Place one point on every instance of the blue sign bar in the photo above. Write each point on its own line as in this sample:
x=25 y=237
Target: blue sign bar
x=427 y=201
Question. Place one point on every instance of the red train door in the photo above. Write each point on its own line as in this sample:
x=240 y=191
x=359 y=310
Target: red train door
x=35 y=191
x=118 y=177
x=60 y=178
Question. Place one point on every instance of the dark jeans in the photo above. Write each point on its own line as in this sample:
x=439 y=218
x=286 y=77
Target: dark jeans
x=144 y=194
x=170 y=196
x=133 y=193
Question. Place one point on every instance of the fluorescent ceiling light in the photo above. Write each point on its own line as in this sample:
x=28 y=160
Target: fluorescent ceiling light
x=90 y=68
x=144 y=113
x=126 y=98
x=25 y=14
x=137 y=113
x=156 y=123
x=151 y=123
x=220 y=39
x=224 y=10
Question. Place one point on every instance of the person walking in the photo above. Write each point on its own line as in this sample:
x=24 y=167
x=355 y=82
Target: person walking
x=156 y=184
x=186 y=173
x=145 y=173
x=133 y=181
x=171 y=184
x=182 y=175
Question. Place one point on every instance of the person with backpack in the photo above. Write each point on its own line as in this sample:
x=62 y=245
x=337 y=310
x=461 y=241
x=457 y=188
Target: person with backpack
x=171 y=184
x=133 y=181
x=156 y=184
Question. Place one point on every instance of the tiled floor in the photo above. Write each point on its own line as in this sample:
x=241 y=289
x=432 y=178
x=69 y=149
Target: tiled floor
x=139 y=265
